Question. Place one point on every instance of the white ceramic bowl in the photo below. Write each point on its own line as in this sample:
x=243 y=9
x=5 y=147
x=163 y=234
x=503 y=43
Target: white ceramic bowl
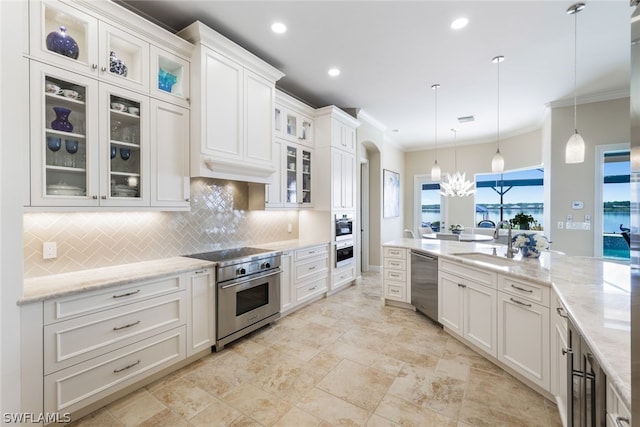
x=118 y=106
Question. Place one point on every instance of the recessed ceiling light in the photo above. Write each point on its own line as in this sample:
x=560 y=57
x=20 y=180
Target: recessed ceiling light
x=333 y=72
x=459 y=23
x=278 y=28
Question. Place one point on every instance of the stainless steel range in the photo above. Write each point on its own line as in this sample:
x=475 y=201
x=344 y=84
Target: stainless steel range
x=247 y=290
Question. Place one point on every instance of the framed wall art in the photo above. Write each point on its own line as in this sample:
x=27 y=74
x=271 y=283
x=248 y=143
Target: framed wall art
x=391 y=194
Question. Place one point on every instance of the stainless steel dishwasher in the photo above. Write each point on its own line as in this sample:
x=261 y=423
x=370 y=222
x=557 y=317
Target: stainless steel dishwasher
x=424 y=284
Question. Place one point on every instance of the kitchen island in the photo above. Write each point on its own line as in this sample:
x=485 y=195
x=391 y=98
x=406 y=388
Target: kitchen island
x=594 y=292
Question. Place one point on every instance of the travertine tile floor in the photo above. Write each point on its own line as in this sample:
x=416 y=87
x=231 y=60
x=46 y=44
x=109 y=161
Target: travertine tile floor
x=346 y=360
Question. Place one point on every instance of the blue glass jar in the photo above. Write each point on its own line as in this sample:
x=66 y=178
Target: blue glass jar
x=62 y=43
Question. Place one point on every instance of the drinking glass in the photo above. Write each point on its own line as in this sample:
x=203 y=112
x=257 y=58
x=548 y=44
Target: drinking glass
x=125 y=154
x=71 y=145
x=54 y=144
x=116 y=130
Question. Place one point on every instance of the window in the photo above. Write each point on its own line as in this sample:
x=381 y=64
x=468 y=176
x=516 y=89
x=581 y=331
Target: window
x=616 y=216
x=429 y=212
x=502 y=196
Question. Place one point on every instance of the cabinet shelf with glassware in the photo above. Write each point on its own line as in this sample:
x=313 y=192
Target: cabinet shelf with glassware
x=88 y=141
x=298 y=167
x=76 y=39
x=169 y=77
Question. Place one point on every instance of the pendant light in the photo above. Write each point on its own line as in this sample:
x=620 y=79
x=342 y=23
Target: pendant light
x=436 y=172
x=497 y=163
x=456 y=184
x=574 y=150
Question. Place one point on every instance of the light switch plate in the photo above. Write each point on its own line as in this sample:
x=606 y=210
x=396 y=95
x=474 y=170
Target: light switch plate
x=560 y=225
x=49 y=250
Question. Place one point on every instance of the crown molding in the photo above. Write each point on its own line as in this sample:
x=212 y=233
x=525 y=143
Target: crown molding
x=588 y=99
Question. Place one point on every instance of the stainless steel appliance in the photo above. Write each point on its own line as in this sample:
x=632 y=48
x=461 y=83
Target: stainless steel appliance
x=344 y=253
x=586 y=383
x=424 y=284
x=344 y=226
x=247 y=291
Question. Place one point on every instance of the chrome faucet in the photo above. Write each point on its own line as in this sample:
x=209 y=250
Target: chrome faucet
x=511 y=251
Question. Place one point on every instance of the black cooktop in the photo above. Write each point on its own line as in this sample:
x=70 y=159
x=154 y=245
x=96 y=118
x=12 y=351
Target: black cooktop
x=230 y=254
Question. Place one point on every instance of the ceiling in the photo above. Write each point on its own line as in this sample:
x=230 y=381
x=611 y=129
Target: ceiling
x=391 y=52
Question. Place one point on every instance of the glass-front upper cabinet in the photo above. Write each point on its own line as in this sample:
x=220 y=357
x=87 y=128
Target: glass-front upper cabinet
x=64 y=138
x=124 y=161
x=169 y=77
x=297 y=128
x=298 y=177
x=74 y=40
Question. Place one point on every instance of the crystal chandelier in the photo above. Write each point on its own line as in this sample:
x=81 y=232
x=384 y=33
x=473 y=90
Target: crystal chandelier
x=456 y=184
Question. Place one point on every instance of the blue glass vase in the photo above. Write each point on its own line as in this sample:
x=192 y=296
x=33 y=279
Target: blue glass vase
x=62 y=43
x=61 y=122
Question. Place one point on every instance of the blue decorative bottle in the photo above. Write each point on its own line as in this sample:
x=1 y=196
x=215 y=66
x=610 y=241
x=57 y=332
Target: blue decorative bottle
x=62 y=43
x=61 y=122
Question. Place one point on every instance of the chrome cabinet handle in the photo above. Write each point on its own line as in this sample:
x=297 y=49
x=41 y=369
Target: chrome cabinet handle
x=127 y=294
x=103 y=69
x=460 y=285
x=620 y=420
x=560 y=310
x=200 y=271
x=313 y=289
x=566 y=351
x=117 y=328
x=94 y=66
x=137 y=362
x=521 y=303
x=103 y=197
x=94 y=197
x=521 y=289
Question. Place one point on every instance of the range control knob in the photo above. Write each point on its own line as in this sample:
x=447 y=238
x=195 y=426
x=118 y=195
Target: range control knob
x=265 y=265
x=241 y=271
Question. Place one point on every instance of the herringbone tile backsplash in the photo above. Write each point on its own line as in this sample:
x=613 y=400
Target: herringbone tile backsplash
x=218 y=219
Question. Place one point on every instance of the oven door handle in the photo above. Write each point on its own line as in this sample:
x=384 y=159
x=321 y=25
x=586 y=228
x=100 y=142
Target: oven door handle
x=231 y=285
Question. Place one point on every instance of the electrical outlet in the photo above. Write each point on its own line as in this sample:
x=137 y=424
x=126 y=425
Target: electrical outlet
x=49 y=250
x=560 y=225
x=587 y=218
x=569 y=218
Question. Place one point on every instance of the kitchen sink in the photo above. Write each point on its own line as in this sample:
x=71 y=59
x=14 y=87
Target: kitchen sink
x=489 y=259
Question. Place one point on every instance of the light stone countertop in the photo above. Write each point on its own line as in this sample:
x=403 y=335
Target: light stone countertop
x=293 y=244
x=43 y=288
x=596 y=294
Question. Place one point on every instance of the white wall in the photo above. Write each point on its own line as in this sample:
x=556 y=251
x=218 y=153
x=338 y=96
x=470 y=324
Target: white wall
x=392 y=158
x=599 y=123
x=521 y=151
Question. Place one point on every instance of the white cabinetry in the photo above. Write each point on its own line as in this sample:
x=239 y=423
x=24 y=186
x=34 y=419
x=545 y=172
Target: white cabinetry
x=558 y=360
x=287 y=285
x=292 y=124
x=201 y=326
x=618 y=415
x=467 y=304
x=523 y=329
x=92 y=114
x=233 y=103
x=335 y=152
x=396 y=274
x=311 y=272
x=99 y=342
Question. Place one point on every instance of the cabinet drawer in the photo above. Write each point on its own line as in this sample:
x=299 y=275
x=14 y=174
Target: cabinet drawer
x=308 y=269
x=75 y=387
x=487 y=278
x=75 y=340
x=86 y=303
x=395 y=291
x=530 y=291
x=400 y=276
x=615 y=406
x=311 y=252
x=395 y=264
x=310 y=289
x=398 y=253
x=343 y=275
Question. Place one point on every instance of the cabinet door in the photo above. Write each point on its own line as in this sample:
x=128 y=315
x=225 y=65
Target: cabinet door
x=287 y=286
x=201 y=327
x=558 y=374
x=124 y=58
x=305 y=171
x=450 y=303
x=169 y=149
x=336 y=179
x=259 y=96
x=169 y=78
x=124 y=153
x=221 y=120
x=523 y=338
x=480 y=316
x=292 y=154
x=59 y=23
x=348 y=181
x=64 y=138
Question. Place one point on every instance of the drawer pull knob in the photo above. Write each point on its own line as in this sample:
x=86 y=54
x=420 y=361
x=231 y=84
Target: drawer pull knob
x=620 y=420
x=127 y=294
x=521 y=289
x=566 y=351
x=117 y=328
x=200 y=271
x=137 y=362
x=313 y=267
x=519 y=302
x=461 y=285
x=313 y=289
x=560 y=310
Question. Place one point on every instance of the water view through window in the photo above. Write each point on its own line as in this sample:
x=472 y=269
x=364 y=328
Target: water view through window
x=615 y=210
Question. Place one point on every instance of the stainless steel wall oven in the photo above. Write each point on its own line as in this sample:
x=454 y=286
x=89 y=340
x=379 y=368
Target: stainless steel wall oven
x=344 y=226
x=344 y=253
